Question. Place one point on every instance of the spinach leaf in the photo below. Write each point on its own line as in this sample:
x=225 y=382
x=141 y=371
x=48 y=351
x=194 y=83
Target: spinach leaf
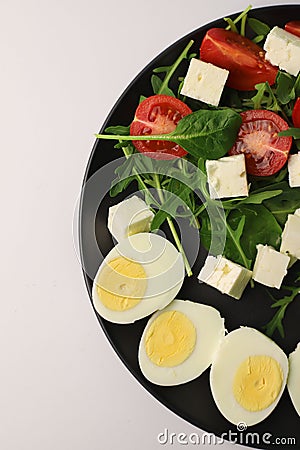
x=258 y=27
x=294 y=132
x=118 y=130
x=260 y=228
x=285 y=203
x=205 y=133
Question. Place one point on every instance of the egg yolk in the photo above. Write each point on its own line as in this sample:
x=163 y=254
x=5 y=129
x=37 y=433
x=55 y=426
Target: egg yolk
x=170 y=340
x=257 y=382
x=121 y=284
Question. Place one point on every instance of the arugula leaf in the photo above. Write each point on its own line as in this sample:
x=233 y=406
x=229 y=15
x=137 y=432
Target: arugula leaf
x=264 y=98
x=156 y=83
x=255 y=198
x=161 y=86
x=206 y=133
x=276 y=323
x=294 y=132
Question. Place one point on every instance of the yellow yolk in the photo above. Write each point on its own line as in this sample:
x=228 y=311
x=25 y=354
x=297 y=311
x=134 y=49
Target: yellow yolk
x=170 y=340
x=121 y=284
x=257 y=382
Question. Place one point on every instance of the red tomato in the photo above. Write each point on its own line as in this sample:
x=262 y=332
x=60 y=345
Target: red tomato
x=265 y=152
x=158 y=114
x=243 y=58
x=296 y=113
x=293 y=27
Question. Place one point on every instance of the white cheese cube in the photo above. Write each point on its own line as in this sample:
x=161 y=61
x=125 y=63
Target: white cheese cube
x=204 y=82
x=294 y=170
x=283 y=50
x=297 y=212
x=226 y=276
x=270 y=266
x=290 y=241
x=129 y=217
x=227 y=177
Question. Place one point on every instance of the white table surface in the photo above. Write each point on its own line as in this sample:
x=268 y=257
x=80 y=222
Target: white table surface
x=64 y=64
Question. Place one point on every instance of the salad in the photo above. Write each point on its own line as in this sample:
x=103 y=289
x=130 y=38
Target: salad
x=256 y=113
x=217 y=144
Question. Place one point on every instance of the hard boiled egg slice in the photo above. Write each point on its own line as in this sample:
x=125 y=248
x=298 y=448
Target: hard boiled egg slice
x=248 y=376
x=141 y=274
x=179 y=342
x=293 y=382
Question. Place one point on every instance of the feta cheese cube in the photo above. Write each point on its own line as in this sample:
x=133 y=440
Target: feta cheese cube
x=290 y=242
x=226 y=276
x=204 y=82
x=227 y=177
x=270 y=266
x=283 y=50
x=294 y=170
x=129 y=217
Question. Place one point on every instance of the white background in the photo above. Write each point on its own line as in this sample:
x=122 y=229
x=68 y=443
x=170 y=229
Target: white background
x=63 y=65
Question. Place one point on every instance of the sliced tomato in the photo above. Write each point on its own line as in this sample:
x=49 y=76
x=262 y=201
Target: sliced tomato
x=293 y=27
x=265 y=152
x=158 y=114
x=244 y=59
x=296 y=113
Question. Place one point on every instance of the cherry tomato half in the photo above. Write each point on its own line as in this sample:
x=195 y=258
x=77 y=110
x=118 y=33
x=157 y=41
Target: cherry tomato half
x=296 y=114
x=265 y=152
x=243 y=58
x=293 y=27
x=158 y=114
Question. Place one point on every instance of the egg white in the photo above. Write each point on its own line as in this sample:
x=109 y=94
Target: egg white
x=210 y=330
x=233 y=350
x=164 y=269
x=294 y=378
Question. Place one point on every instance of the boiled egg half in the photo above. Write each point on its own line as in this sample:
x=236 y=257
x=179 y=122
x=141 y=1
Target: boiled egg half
x=141 y=274
x=248 y=376
x=294 y=378
x=179 y=342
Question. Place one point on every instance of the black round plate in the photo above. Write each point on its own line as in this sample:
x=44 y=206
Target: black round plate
x=192 y=401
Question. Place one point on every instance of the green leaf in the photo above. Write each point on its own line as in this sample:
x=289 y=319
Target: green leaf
x=294 y=132
x=118 y=130
x=156 y=83
x=276 y=323
x=260 y=228
x=170 y=70
x=257 y=199
x=285 y=91
x=205 y=133
x=258 y=27
x=285 y=203
x=158 y=219
x=258 y=39
x=264 y=98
